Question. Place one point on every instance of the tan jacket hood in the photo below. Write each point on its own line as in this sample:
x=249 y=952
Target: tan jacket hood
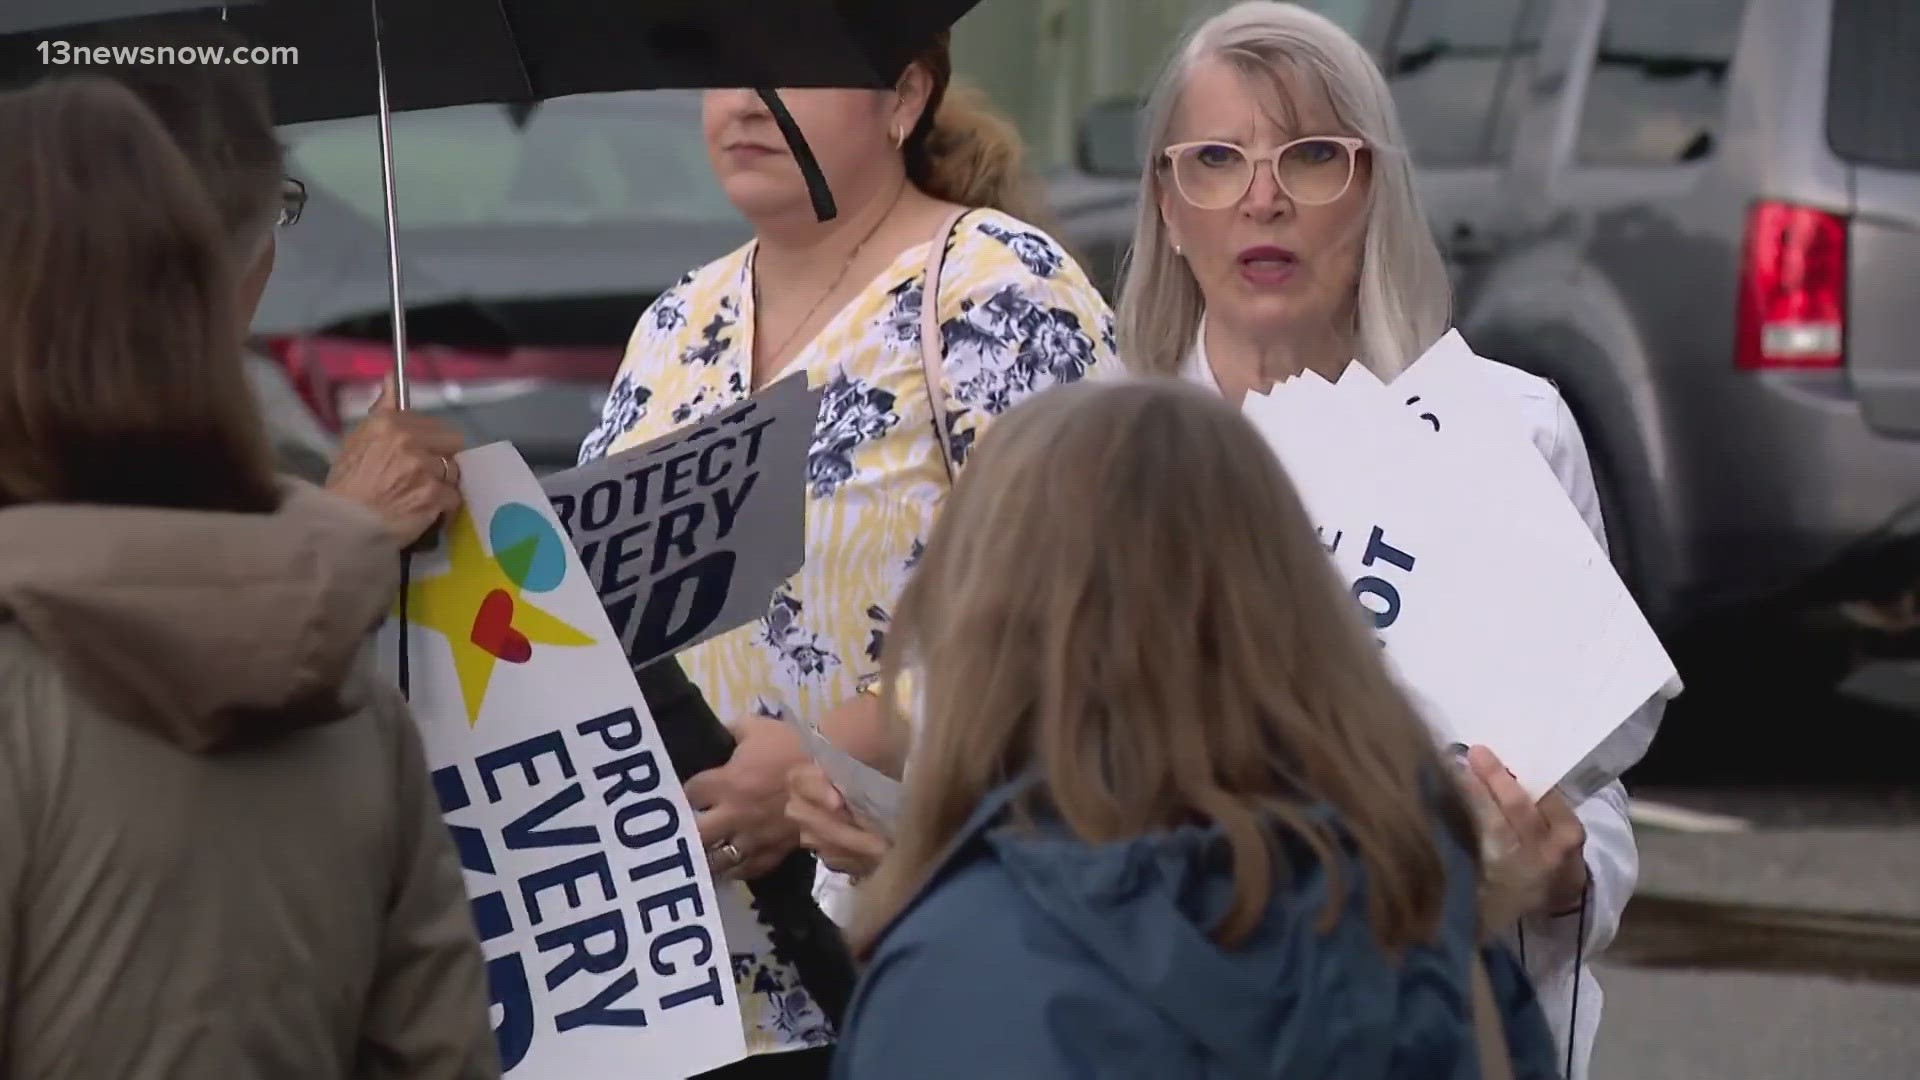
x=208 y=629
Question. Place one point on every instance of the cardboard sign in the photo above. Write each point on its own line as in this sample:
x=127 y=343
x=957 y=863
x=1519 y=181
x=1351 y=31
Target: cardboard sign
x=687 y=537
x=605 y=952
x=1495 y=605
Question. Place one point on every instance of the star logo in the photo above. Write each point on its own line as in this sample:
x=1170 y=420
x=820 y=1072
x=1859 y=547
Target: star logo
x=480 y=603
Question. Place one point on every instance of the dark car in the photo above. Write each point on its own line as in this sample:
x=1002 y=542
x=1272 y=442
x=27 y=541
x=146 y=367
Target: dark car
x=531 y=240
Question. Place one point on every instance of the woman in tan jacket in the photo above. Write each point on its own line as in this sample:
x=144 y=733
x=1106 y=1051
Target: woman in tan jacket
x=220 y=855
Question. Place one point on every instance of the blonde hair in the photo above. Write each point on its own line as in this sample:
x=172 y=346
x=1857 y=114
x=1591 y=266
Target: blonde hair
x=962 y=151
x=1074 y=632
x=1405 y=297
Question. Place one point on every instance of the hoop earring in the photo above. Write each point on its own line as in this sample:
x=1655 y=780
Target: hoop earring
x=899 y=139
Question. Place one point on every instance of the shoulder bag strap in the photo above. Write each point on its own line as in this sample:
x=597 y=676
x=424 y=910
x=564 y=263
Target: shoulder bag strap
x=931 y=347
x=1489 y=1032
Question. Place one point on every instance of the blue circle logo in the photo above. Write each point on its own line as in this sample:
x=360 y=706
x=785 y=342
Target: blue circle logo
x=528 y=547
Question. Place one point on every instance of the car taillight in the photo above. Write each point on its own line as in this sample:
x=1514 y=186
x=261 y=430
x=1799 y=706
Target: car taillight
x=338 y=377
x=325 y=369
x=1793 y=289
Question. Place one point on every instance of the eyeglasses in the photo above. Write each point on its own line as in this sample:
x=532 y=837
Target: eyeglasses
x=1313 y=171
x=293 y=199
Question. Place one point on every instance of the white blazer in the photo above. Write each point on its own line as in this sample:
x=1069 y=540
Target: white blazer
x=1557 y=957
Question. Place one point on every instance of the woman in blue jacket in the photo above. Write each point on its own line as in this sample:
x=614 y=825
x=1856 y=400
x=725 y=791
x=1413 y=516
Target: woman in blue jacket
x=1167 y=814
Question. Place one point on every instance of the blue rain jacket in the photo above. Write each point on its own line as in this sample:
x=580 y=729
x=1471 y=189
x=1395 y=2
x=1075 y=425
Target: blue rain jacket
x=1033 y=956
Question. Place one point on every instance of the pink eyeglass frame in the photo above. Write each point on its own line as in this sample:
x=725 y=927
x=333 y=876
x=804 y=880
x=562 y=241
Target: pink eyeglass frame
x=1272 y=160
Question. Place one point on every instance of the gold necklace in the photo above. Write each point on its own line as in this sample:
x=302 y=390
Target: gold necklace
x=845 y=268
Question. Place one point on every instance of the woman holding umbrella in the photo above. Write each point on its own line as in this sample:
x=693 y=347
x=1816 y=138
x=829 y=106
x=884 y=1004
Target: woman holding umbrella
x=930 y=215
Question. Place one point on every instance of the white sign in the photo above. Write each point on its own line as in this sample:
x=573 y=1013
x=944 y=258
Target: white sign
x=1496 y=606
x=605 y=953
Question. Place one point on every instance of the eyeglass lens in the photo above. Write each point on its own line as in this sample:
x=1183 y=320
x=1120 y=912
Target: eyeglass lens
x=1216 y=175
x=293 y=199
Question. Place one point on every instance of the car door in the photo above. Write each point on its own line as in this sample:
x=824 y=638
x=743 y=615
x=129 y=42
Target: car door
x=1873 y=124
x=1461 y=73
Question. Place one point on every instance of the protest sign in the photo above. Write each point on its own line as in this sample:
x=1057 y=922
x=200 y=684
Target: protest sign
x=605 y=953
x=688 y=536
x=1449 y=380
x=1358 y=373
x=1495 y=605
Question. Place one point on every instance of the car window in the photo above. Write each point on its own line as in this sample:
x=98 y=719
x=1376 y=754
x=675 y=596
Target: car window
x=1873 y=96
x=1659 y=86
x=1073 y=76
x=1355 y=16
x=593 y=159
x=1459 y=71
x=596 y=158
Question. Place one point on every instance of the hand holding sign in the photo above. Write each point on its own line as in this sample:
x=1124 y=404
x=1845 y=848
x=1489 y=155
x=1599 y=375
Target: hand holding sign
x=1537 y=847
x=847 y=841
x=873 y=796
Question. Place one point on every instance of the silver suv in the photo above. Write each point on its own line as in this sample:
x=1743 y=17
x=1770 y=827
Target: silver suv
x=1701 y=218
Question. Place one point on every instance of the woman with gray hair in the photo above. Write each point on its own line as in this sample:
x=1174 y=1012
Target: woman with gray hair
x=1280 y=232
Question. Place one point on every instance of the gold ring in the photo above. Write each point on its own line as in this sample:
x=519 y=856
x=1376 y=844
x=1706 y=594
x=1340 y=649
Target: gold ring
x=446 y=470
x=734 y=858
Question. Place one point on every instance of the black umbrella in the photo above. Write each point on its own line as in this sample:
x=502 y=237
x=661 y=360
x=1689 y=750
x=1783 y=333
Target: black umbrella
x=537 y=48
x=381 y=56
x=456 y=52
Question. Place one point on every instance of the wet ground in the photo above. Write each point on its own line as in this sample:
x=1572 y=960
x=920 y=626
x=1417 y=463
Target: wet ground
x=1776 y=931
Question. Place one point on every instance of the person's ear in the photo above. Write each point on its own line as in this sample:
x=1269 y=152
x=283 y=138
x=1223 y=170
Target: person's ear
x=910 y=99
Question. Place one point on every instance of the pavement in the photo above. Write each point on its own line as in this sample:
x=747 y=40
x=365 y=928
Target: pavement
x=1683 y=1025
x=1775 y=934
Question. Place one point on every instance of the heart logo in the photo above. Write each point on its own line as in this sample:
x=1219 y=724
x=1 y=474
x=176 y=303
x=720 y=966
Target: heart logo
x=493 y=629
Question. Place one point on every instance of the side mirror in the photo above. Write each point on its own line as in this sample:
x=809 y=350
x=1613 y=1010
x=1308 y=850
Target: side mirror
x=1109 y=142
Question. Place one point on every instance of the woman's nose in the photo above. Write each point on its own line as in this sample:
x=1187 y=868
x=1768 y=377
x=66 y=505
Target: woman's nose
x=740 y=101
x=1265 y=199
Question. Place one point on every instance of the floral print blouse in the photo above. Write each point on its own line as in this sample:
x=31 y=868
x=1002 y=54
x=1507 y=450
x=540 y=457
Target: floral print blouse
x=1017 y=316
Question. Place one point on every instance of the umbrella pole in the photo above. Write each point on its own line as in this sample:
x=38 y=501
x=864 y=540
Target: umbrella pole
x=402 y=399
x=398 y=312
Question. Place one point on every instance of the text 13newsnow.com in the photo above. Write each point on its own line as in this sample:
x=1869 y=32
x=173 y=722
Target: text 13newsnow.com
x=66 y=53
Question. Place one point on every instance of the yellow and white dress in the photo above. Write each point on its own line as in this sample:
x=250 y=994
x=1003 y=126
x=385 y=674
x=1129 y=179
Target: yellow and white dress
x=1017 y=316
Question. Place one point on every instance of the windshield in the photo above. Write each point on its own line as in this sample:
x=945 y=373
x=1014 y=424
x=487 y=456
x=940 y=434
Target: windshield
x=1873 y=102
x=594 y=159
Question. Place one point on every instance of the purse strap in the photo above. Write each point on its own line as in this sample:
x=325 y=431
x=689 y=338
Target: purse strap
x=932 y=350
x=1489 y=1032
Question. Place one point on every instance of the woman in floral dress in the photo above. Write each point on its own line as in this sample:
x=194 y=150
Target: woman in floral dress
x=842 y=302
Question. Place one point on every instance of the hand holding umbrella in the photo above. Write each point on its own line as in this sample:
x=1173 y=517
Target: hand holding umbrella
x=400 y=465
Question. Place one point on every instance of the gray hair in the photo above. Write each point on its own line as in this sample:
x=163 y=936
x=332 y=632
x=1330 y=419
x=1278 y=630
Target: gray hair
x=1405 y=297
